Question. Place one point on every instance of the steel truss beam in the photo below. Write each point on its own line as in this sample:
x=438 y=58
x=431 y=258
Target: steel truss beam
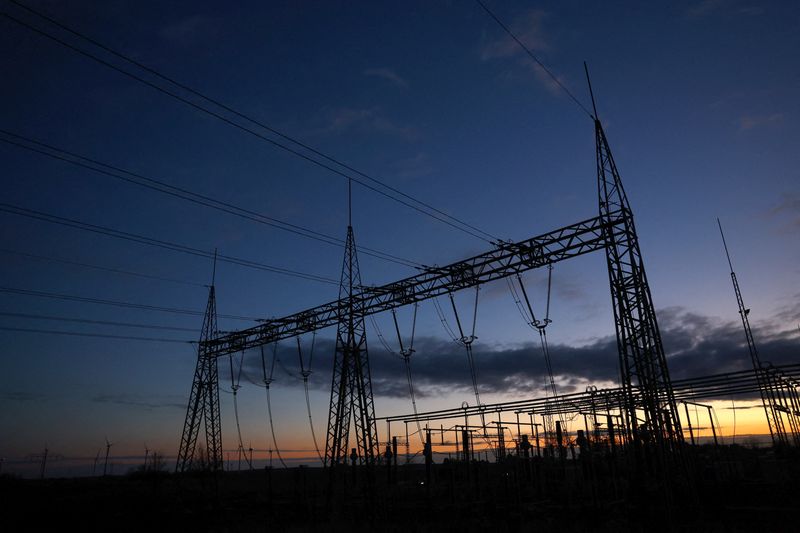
x=645 y=381
x=716 y=386
x=507 y=259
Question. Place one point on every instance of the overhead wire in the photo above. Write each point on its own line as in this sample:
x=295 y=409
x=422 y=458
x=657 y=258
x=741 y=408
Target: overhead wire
x=305 y=372
x=158 y=243
x=96 y=322
x=541 y=328
x=117 y=303
x=431 y=211
x=535 y=58
x=406 y=353
x=267 y=382
x=191 y=196
x=467 y=341
x=379 y=334
x=443 y=320
x=102 y=268
x=235 y=386
x=96 y=335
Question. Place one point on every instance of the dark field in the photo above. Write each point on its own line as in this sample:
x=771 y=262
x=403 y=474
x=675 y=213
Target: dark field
x=732 y=489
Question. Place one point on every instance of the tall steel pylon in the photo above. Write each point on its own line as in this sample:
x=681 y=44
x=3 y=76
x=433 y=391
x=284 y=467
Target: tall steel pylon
x=351 y=385
x=203 y=399
x=653 y=422
x=768 y=386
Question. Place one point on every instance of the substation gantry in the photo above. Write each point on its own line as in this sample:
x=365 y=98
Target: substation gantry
x=651 y=421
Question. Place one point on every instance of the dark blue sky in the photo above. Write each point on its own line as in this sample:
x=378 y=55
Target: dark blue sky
x=698 y=100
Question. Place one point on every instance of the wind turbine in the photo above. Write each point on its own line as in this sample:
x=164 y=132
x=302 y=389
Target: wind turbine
x=108 y=448
x=96 y=458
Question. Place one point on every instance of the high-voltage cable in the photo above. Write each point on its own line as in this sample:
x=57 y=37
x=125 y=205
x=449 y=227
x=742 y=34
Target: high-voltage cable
x=94 y=322
x=541 y=327
x=160 y=186
x=39 y=257
x=393 y=194
x=117 y=303
x=535 y=59
x=268 y=379
x=96 y=335
x=149 y=241
x=235 y=386
x=305 y=372
x=406 y=353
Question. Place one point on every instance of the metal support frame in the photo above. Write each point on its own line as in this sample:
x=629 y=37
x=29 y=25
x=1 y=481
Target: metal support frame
x=643 y=368
x=203 y=400
x=769 y=387
x=351 y=385
x=642 y=361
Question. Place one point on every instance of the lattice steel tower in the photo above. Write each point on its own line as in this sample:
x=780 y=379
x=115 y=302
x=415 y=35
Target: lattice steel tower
x=351 y=385
x=203 y=399
x=652 y=419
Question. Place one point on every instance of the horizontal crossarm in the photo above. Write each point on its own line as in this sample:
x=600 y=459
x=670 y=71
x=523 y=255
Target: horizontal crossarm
x=506 y=259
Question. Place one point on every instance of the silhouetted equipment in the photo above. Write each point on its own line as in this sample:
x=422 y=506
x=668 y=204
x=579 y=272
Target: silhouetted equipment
x=204 y=398
x=651 y=422
x=770 y=387
x=105 y=464
x=351 y=386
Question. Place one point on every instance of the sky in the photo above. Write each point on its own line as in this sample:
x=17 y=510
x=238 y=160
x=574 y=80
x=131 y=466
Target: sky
x=698 y=100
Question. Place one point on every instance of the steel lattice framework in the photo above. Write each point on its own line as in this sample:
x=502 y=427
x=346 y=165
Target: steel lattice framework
x=203 y=399
x=351 y=386
x=652 y=421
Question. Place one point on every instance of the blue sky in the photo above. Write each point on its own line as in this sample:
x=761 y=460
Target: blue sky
x=698 y=100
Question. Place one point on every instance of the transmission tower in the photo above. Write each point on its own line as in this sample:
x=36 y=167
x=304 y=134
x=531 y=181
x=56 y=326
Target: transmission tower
x=766 y=385
x=351 y=386
x=643 y=366
x=203 y=399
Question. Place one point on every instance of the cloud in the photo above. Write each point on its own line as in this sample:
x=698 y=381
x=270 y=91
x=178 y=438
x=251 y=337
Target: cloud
x=704 y=8
x=708 y=7
x=365 y=121
x=147 y=402
x=748 y=122
x=789 y=205
x=416 y=166
x=696 y=345
x=527 y=28
x=388 y=75
x=191 y=31
x=16 y=396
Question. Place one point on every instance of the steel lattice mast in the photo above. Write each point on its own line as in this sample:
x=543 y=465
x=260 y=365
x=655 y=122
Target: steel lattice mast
x=647 y=389
x=203 y=399
x=351 y=385
x=766 y=383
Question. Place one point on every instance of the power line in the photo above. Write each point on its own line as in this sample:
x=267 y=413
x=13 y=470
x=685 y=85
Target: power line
x=185 y=194
x=100 y=335
x=116 y=303
x=98 y=267
x=94 y=322
x=124 y=235
x=532 y=56
x=433 y=212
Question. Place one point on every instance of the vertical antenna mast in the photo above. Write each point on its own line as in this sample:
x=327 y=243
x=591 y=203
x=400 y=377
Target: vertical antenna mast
x=765 y=386
x=214 y=269
x=591 y=92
